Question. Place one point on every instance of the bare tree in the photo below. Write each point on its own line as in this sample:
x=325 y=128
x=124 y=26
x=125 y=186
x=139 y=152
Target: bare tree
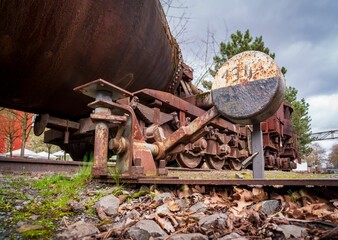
x=333 y=156
x=177 y=17
x=14 y=125
x=201 y=51
x=203 y=58
x=316 y=157
x=25 y=120
x=9 y=129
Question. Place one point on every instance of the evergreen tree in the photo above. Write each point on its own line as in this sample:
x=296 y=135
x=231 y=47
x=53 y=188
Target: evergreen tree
x=300 y=119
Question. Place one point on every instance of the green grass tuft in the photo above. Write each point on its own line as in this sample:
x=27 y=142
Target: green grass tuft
x=37 y=234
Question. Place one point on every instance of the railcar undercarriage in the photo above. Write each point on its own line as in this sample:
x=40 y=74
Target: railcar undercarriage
x=148 y=129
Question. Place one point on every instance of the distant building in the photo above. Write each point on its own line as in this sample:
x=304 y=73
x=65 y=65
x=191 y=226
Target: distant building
x=11 y=123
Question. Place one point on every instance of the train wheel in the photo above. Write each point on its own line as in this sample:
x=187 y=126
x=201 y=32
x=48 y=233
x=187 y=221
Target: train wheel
x=214 y=162
x=235 y=164
x=188 y=160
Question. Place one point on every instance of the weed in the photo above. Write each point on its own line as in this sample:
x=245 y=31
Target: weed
x=152 y=195
x=292 y=195
x=141 y=193
x=5 y=204
x=116 y=174
x=90 y=203
x=20 y=216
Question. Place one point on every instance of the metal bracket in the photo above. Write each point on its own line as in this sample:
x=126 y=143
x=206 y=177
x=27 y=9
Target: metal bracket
x=103 y=92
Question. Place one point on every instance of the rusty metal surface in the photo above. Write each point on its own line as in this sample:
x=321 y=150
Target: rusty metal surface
x=186 y=160
x=23 y=165
x=172 y=103
x=226 y=182
x=44 y=120
x=248 y=88
x=186 y=133
x=100 y=149
x=143 y=154
x=90 y=89
x=49 y=47
x=279 y=140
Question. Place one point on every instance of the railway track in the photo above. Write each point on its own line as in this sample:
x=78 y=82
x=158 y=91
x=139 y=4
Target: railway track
x=229 y=182
x=20 y=165
x=24 y=165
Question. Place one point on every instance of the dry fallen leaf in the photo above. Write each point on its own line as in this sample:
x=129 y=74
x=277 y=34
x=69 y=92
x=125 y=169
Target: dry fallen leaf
x=173 y=220
x=165 y=224
x=321 y=213
x=173 y=206
x=198 y=189
x=101 y=214
x=313 y=207
x=123 y=198
x=275 y=196
x=296 y=213
x=248 y=195
x=333 y=216
x=334 y=202
x=215 y=198
x=240 y=203
x=224 y=194
x=306 y=197
x=292 y=204
x=196 y=197
x=259 y=194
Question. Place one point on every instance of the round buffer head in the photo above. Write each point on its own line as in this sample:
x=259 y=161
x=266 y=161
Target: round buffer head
x=248 y=88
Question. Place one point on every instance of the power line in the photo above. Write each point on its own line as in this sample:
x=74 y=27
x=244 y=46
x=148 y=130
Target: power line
x=319 y=136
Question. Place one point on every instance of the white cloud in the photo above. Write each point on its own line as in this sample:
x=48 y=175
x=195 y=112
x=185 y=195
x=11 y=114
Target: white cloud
x=312 y=67
x=324 y=112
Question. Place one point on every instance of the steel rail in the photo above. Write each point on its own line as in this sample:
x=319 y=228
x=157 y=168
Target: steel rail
x=24 y=165
x=225 y=182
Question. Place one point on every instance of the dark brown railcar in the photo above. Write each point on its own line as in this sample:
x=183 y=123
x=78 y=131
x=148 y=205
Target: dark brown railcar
x=279 y=140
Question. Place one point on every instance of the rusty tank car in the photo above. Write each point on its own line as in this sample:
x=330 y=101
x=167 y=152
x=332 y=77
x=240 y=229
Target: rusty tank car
x=47 y=48
x=146 y=112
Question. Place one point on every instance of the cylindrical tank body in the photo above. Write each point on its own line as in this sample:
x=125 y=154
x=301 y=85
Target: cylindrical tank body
x=48 y=47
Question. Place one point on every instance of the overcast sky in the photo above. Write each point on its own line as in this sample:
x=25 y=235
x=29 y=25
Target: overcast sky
x=303 y=34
